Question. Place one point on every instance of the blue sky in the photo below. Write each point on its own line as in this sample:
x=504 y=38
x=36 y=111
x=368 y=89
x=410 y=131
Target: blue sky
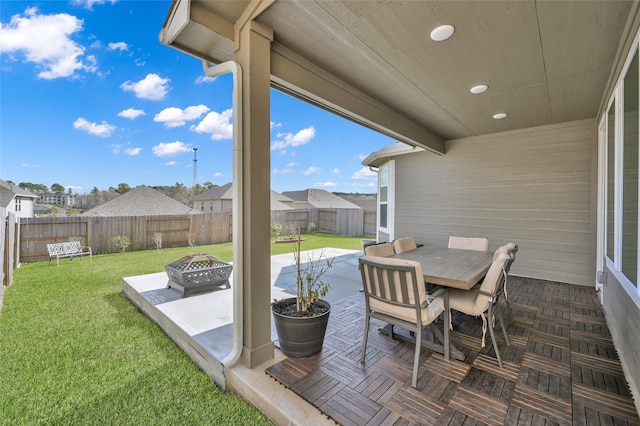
x=90 y=98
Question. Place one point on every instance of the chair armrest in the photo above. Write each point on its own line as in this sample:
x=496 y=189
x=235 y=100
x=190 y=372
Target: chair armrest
x=441 y=292
x=485 y=293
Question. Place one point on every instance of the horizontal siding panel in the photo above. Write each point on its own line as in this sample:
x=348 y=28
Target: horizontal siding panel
x=534 y=187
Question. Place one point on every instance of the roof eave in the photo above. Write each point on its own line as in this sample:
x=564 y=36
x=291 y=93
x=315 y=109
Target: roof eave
x=378 y=158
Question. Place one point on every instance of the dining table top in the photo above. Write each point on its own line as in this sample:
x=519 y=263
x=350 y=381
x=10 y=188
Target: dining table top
x=455 y=268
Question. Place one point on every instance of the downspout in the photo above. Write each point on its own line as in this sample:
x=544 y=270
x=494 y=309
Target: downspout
x=237 y=203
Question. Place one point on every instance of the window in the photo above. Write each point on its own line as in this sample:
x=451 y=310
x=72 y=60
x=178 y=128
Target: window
x=611 y=156
x=384 y=195
x=622 y=132
x=386 y=179
x=630 y=173
x=18 y=204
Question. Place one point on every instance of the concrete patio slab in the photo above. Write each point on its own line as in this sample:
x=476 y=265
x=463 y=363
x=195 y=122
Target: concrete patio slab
x=201 y=325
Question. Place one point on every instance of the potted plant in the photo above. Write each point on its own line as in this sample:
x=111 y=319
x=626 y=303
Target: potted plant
x=301 y=321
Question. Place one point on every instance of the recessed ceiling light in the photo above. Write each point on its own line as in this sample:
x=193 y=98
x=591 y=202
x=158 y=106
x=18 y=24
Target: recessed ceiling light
x=441 y=33
x=500 y=115
x=481 y=88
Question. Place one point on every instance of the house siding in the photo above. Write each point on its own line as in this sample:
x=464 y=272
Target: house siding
x=533 y=187
x=622 y=318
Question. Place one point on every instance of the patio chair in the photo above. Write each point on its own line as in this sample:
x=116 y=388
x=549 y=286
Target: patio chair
x=469 y=243
x=395 y=294
x=381 y=249
x=510 y=249
x=482 y=301
x=404 y=244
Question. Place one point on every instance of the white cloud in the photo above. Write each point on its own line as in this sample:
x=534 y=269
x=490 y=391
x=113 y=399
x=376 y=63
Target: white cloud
x=170 y=163
x=115 y=149
x=170 y=149
x=292 y=164
x=218 y=125
x=336 y=170
x=46 y=40
x=88 y=4
x=325 y=184
x=360 y=157
x=131 y=113
x=120 y=45
x=282 y=171
x=30 y=166
x=273 y=124
x=218 y=174
x=152 y=87
x=364 y=185
x=311 y=171
x=176 y=117
x=205 y=79
x=364 y=174
x=289 y=139
x=132 y=151
x=103 y=130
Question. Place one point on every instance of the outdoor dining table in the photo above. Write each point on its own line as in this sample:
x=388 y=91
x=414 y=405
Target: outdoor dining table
x=450 y=267
x=446 y=267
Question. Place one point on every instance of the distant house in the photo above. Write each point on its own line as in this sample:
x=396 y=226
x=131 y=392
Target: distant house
x=329 y=212
x=141 y=201
x=319 y=199
x=280 y=202
x=219 y=199
x=16 y=200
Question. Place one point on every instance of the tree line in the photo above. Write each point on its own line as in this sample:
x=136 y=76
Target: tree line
x=179 y=192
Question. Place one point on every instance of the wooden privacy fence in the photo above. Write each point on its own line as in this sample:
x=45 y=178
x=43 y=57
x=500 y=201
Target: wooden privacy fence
x=9 y=253
x=96 y=232
x=351 y=222
x=34 y=234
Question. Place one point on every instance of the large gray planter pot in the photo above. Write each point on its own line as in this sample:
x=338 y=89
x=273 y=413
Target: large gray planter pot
x=300 y=337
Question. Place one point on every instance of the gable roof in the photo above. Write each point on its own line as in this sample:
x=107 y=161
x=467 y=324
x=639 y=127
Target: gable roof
x=216 y=193
x=141 y=201
x=9 y=191
x=225 y=192
x=319 y=198
x=278 y=201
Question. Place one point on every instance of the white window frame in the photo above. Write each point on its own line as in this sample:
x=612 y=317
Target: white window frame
x=617 y=97
x=391 y=196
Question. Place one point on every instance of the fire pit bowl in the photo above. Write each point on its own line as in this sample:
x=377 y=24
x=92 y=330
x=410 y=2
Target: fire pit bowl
x=197 y=273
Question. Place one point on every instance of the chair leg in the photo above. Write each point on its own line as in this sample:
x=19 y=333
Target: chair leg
x=416 y=358
x=504 y=329
x=364 y=340
x=493 y=337
x=508 y=308
x=495 y=345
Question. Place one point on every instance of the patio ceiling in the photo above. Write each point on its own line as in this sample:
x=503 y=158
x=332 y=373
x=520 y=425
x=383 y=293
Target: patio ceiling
x=545 y=62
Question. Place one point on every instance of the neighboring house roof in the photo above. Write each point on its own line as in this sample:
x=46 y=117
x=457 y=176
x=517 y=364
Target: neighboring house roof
x=9 y=191
x=278 y=201
x=216 y=193
x=319 y=198
x=141 y=201
x=225 y=192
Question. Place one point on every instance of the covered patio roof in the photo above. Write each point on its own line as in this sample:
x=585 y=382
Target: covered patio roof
x=374 y=62
x=547 y=64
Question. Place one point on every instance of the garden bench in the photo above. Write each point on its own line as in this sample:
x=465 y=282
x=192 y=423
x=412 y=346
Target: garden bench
x=67 y=249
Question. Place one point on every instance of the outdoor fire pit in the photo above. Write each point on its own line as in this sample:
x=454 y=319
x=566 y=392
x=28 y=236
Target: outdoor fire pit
x=197 y=273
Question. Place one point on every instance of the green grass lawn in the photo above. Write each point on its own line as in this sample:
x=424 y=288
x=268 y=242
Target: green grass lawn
x=74 y=351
